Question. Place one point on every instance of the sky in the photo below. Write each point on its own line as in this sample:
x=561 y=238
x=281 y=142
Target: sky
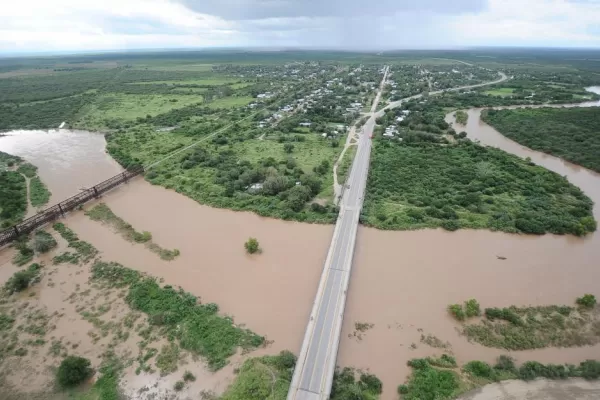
x=93 y=25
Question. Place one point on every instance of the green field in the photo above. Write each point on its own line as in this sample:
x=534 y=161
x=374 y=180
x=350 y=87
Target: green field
x=202 y=82
x=230 y=102
x=503 y=92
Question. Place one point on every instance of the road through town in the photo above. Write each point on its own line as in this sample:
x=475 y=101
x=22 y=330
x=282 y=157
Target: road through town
x=316 y=364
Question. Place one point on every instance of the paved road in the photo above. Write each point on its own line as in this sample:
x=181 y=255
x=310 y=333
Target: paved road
x=397 y=103
x=316 y=364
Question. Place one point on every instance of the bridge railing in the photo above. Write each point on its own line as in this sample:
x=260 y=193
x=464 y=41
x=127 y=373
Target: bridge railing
x=54 y=212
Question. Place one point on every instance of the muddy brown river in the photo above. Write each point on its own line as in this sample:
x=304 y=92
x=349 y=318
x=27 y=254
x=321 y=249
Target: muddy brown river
x=68 y=160
x=402 y=282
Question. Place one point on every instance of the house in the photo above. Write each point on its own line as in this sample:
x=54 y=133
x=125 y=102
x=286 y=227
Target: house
x=255 y=187
x=305 y=124
x=400 y=119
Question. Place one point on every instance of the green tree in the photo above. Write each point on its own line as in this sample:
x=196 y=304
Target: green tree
x=73 y=371
x=252 y=245
x=288 y=148
x=587 y=301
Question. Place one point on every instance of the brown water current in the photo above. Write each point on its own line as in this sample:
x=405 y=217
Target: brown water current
x=402 y=282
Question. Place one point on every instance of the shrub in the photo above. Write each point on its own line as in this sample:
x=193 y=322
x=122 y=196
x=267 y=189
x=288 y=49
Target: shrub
x=590 y=369
x=503 y=313
x=252 y=246
x=530 y=370
x=430 y=383
x=450 y=225
x=505 y=363
x=179 y=385
x=371 y=383
x=73 y=371
x=472 y=308
x=188 y=377
x=457 y=311
x=587 y=301
x=445 y=361
x=22 y=279
x=43 y=242
x=480 y=369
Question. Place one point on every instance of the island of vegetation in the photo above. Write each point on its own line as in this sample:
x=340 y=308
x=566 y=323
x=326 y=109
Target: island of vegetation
x=424 y=181
x=569 y=133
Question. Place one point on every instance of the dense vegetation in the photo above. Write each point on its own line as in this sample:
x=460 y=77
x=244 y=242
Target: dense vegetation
x=73 y=370
x=13 y=198
x=13 y=189
x=524 y=328
x=434 y=379
x=418 y=184
x=263 y=378
x=39 y=194
x=178 y=314
x=569 y=133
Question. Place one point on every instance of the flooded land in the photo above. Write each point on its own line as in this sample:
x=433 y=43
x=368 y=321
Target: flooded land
x=401 y=284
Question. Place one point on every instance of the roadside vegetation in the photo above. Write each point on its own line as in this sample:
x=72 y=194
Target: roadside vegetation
x=104 y=214
x=197 y=327
x=423 y=182
x=570 y=133
x=525 y=328
x=434 y=378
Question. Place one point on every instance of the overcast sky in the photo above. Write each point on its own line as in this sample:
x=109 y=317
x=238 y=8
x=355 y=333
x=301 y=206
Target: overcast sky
x=76 y=25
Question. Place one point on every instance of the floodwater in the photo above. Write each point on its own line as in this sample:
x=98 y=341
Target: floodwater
x=271 y=293
x=402 y=282
x=67 y=160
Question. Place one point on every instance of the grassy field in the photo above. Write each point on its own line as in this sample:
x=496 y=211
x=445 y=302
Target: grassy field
x=216 y=81
x=129 y=106
x=502 y=92
x=230 y=102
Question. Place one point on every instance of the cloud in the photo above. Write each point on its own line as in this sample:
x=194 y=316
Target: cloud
x=538 y=23
x=261 y=9
x=73 y=25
